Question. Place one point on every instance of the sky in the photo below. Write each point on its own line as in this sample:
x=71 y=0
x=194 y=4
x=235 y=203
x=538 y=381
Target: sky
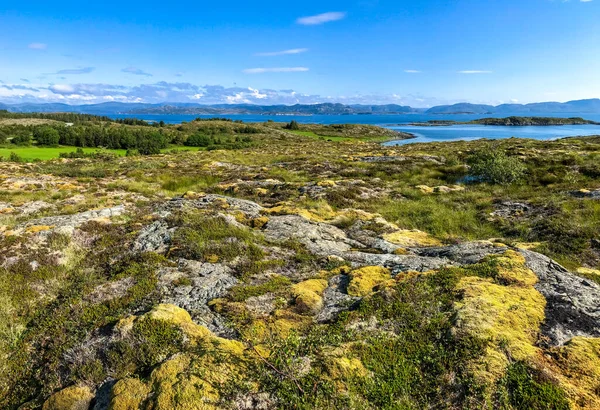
x=419 y=53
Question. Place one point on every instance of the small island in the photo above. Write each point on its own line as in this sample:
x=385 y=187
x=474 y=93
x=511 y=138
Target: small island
x=511 y=122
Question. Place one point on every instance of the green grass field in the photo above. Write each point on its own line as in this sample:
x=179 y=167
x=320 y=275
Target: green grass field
x=44 y=153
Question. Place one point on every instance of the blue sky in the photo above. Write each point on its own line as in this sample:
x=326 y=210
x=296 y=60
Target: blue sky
x=420 y=53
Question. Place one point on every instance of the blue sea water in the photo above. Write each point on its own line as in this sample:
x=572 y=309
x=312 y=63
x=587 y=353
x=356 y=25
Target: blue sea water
x=423 y=134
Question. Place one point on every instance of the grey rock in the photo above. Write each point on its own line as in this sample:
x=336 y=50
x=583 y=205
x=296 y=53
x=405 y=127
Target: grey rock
x=319 y=238
x=510 y=209
x=594 y=194
x=462 y=254
x=393 y=158
x=326 y=240
x=67 y=223
x=335 y=299
x=261 y=305
x=208 y=281
x=572 y=302
x=248 y=208
x=155 y=237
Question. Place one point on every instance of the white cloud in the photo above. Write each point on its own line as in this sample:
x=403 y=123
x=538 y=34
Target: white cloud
x=321 y=18
x=38 y=46
x=475 y=72
x=282 y=53
x=82 y=70
x=262 y=70
x=135 y=71
x=412 y=71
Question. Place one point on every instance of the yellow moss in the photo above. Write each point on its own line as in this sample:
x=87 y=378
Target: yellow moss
x=66 y=187
x=527 y=245
x=171 y=313
x=197 y=333
x=508 y=317
x=125 y=325
x=344 y=368
x=191 y=382
x=512 y=270
x=7 y=210
x=363 y=280
x=309 y=302
x=312 y=285
x=327 y=183
x=71 y=398
x=579 y=371
x=320 y=212
x=401 y=251
x=425 y=189
x=212 y=258
x=259 y=222
x=128 y=394
x=286 y=321
x=405 y=237
x=588 y=272
x=193 y=195
x=38 y=228
x=262 y=191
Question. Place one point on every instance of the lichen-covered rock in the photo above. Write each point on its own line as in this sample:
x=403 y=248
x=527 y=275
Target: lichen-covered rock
x=70 y=398
x=67 y=223
x=155 y=237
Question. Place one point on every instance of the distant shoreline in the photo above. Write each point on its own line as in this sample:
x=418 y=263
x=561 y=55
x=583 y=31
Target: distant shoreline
x=510 y=122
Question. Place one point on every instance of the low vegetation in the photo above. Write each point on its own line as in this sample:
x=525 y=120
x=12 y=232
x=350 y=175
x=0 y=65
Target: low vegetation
x=243 y=266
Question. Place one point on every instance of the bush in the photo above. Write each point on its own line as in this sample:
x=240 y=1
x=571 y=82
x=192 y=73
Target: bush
x=46 y=136
x=199 y=140
x=293 y=126
x=494 y=166
x=14 y=157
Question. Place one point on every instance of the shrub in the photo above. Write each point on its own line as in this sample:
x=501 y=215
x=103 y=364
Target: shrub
x=494 y=166
x=199 y=140
x=14 y=157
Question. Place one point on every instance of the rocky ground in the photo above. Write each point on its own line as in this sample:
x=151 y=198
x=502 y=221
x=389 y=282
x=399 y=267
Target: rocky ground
x=302 y=273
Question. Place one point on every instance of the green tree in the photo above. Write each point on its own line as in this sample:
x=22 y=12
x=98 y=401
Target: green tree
x=47 y=136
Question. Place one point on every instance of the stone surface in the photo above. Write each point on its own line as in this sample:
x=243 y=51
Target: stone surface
x=155 y=237
x=572 y=302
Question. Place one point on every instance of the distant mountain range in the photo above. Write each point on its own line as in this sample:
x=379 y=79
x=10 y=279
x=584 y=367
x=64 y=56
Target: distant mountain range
x=591 y=106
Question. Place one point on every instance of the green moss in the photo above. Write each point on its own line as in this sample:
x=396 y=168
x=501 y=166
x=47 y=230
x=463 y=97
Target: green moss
x=204 y=237
x=276 y=283
x=524 y=388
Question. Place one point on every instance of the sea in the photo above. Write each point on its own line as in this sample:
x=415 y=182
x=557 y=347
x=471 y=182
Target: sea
x=401 y=122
